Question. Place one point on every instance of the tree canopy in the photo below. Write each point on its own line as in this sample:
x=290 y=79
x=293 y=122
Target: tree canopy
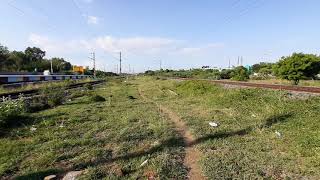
x=262 y=65
x=31 y=60
x=298 y=66
x=240 y=73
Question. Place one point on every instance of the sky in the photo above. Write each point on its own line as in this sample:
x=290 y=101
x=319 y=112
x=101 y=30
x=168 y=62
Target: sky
x=180 y=34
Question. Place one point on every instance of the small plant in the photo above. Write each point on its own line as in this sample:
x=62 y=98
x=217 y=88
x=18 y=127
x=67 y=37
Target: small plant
x=36 y=104
x=11 y=109
x=53 y=96
x=88 y=86
x=97 y=98
x=195 y=88
x=76 y=94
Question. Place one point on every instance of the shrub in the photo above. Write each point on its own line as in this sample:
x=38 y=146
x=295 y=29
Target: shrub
x=36 y=104
x=97 y=98
x=88 y=86
x=11 y=110
x=195 y=87
x=53 y=96
x=240 y=74
x=225 y=74
x=76 y=94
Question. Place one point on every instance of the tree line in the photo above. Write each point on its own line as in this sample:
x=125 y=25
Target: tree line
x=296 y=67
x=30 y=60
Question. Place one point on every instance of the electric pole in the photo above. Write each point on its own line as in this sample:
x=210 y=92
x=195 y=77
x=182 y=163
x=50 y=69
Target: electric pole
x=120 y=62
x=238 y=61
x=51 y=66
x=160 y=64
x=94 y=63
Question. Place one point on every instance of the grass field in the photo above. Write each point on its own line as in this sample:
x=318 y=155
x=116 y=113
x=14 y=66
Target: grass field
x=262 y=134
x=245 y=145
x=41 y=85
x=106 y=139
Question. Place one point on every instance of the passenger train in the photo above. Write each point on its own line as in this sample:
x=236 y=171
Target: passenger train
x=10 y=79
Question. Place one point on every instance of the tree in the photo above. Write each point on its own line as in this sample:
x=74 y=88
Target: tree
x=149 y=72
x=240 y=73
x=4 y=54
x=34 y=53
x=60 y=65
x=225 y=73
x=256 y=67
x=16 y=61
x=298 y=66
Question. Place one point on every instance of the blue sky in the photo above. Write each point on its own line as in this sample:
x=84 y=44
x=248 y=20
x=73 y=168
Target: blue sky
x=180 y=33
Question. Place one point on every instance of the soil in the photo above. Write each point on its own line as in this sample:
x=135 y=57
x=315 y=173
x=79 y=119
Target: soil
x=192 y=154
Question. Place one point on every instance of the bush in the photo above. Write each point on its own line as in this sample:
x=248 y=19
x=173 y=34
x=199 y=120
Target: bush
x=240 y=74
x=195 y=88
x=76 y=94
x=36 y=104
x=53 y=96
x=11 y=110
x=97 y=98
x=88 y=86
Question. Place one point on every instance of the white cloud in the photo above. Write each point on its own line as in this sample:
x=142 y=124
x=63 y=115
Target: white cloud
x=144 y=48
x=55 y=46
x=146 y=45
x=92 y=19
x=138 y=45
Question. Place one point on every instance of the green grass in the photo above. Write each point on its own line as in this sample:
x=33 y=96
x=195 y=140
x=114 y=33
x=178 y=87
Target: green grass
x=315 y=83
x=245 y=145
x=110 y=139
x=107 y=139
x=41 y=85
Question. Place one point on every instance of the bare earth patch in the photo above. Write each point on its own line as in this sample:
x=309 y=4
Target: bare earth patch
x=192 y=154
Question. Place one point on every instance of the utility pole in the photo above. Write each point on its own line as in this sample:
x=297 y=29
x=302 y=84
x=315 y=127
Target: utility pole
x=120 y=63
x=229 y=64
x=94 y=63
x=160 y=64
x=129 y=69
x=51 y=66
x=241 y=61
x=238 y=61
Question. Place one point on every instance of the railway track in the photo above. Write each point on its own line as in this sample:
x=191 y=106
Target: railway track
x=33 y=92
x=304 y=89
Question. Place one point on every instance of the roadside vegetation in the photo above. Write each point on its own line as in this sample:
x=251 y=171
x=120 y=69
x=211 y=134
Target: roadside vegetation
x=106 y=132
x=288 y=70
x=32 y=61
x=43 y=85
x=261 y=134
x=112 y=132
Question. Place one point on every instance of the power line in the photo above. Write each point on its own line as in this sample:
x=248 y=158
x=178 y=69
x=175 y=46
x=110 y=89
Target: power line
x=22 y=12
x=245 y=11
x=16 y=8
x=230 y=18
